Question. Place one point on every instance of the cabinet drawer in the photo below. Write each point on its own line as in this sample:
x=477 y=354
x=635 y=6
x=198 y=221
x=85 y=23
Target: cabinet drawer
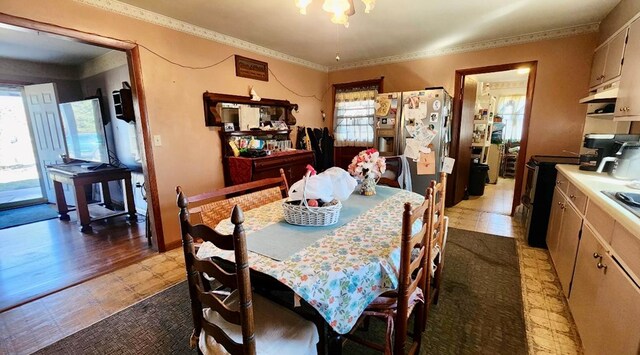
x=577 y=197
x=562 y=182
x=601 y=221
x=627 y=246
x=280 y=161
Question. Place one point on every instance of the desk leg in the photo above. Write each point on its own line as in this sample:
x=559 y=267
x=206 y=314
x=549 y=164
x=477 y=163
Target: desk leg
x=106 y=195
x=60 y=201
x=83 y=209
x=131 y=206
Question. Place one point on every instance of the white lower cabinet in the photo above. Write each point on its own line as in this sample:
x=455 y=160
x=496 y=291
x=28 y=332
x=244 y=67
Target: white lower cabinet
x=563 y=237
x=604 y=301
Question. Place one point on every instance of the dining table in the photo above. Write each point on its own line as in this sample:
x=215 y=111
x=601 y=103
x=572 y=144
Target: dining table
x=337 y=270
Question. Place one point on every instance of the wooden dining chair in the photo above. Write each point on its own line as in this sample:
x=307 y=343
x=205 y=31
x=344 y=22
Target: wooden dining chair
x=228 y=318
x=214 y=206
x=438 y=240
x=396 y=306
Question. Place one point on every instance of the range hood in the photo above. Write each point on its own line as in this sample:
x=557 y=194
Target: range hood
x=608 y=95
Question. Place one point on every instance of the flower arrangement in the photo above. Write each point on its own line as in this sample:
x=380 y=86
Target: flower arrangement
x=367 y=164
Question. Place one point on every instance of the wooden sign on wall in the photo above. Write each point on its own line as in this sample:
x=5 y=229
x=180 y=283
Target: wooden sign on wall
x=251 y=68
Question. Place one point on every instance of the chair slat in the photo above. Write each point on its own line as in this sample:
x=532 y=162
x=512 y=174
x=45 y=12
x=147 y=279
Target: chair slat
x=214 y=270
x=213 y=302
x=207 y=234
x=221 y=337
x=418 y=261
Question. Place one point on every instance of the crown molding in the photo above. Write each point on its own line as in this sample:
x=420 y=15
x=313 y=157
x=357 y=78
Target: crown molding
x=178 y=25
x=476 y=46
x=110 y=60
x=174 y=24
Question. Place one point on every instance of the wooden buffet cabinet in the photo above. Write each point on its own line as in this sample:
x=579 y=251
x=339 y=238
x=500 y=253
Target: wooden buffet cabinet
x=595 y=248
x=238 y=170
x=222 y=109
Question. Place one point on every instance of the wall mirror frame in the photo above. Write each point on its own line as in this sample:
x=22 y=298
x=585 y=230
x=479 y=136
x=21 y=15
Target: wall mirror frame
x=213 y=107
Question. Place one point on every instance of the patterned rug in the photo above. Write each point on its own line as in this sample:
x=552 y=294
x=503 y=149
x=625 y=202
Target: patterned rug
x=480 y=311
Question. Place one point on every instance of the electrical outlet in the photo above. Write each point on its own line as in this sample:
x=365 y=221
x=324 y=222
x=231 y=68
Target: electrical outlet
x=157 y=140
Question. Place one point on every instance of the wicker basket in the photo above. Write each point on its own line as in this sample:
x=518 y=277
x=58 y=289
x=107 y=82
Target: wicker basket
x=303 y=215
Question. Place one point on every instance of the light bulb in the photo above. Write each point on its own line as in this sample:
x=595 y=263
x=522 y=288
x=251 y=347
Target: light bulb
x=340 y=19
x=302 y=5
x=336 y=6
x=369 y=5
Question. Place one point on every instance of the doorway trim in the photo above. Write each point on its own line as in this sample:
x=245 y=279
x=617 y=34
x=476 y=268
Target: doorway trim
x=135 y=73
x=457 y=116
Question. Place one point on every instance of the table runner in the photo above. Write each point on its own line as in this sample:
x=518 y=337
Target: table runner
x=281 y=240
x=340 y=274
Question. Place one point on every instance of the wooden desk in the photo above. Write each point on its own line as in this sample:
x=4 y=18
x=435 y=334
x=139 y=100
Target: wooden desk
x=79 y=176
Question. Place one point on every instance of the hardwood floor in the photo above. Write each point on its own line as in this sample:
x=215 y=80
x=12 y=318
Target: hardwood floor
x=44 y=257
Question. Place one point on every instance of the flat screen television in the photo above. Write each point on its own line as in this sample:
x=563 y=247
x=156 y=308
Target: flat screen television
x=84 y=131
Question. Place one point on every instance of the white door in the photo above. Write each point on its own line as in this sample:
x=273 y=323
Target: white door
x=44 y=118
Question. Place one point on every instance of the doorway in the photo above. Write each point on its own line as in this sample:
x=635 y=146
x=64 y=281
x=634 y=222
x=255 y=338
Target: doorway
x=47 y=256
x=490 y=124
x=20 y=180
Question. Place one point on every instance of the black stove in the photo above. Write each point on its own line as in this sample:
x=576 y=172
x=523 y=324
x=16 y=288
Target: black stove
x=628 y=200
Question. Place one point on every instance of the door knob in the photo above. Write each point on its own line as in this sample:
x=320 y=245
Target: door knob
x=600 y=265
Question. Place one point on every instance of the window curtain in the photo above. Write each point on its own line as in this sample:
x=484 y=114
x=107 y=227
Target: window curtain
x=354 y=114
x=511 y=109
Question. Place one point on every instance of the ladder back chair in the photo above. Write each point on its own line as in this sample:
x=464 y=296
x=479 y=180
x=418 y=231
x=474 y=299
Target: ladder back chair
x=227 y=317
x=214 y=206
x=396 y=306
x=438 y=235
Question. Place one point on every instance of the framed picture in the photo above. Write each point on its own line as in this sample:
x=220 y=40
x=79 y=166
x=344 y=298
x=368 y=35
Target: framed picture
x=228 y=127
x=251 y=68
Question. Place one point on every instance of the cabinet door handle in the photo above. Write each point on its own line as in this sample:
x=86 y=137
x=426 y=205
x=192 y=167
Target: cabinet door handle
x=600 y=265
x=558 y=182
x=621 y=109
x=562 y=206
x=596 y=255
x=573 y=197
x=559 y=203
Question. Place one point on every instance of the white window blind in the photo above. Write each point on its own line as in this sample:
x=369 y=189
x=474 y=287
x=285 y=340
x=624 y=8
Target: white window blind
x=354 y=113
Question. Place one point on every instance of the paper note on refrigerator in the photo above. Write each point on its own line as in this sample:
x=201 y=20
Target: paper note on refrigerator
x=412 y=149
x=426 y=165
x=447 y=166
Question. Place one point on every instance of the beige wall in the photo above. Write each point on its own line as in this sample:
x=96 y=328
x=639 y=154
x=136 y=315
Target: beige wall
x=190 y=152
x=562 y=79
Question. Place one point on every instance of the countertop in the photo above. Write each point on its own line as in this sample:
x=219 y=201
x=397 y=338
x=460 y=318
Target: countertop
x=592 y=184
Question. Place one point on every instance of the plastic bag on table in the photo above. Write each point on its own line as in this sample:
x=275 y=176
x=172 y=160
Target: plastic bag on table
x=334 y=183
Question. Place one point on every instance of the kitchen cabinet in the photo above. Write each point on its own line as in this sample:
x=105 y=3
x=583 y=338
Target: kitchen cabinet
x=604 y=302
x=563 y=236
x=628 y=102
x=607 y=60
x=602 y=279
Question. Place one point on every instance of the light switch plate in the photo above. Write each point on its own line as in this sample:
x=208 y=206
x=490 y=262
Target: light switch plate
x=157 y=140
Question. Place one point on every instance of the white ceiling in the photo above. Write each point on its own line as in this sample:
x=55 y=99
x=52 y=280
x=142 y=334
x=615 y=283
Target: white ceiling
x=500 y=76
x=394 y=27
x=21 y=44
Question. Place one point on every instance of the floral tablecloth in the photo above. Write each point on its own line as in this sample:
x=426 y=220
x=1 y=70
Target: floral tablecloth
x=340 y=274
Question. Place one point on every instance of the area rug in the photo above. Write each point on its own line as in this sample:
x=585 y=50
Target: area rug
x=25 y=215
x=480 y=310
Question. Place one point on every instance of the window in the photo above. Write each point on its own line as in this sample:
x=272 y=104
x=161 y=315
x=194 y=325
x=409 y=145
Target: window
x=354 y=114
x=511 y=109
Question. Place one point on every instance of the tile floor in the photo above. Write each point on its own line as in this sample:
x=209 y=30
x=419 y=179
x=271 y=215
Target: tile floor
x=497 y=197
x=550 y=328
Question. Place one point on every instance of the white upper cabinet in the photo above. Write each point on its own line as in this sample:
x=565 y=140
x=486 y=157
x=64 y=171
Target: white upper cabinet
x=628 y=102
x=607 y=60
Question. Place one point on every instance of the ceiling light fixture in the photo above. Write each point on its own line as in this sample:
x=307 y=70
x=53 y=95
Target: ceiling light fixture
x=340 y=9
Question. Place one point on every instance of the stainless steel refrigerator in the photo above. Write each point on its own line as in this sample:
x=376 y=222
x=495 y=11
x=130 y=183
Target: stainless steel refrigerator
x=411 y=119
